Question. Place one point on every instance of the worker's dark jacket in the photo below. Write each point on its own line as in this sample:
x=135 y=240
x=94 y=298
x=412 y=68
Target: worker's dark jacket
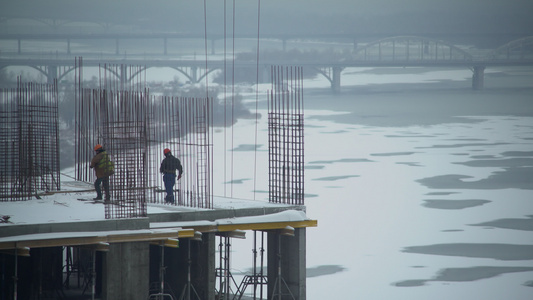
x=170 y=164
x=102 y=165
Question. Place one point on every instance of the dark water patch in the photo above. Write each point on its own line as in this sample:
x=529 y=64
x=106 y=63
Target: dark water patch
x=483 y=156
x=454 y=204
x=528 y=283
x=410 y=118
x=499 y=163
x=261 y=191
x=452 y=230
x=516 y=224
x=464 y=275
x=410 y=136
x=467 y=140
x=237 y=181
x=334 y=178
x=336 y=131
x=441 y=193
x=461 y=154
x=410 y=283
x=324 y=270
x=411 y=164
x=343 y=160
x=314 y=126
x=519 y=178
x=517 y=153
x=247 y=147
x=494 y=251
x=310 y=272
x=462 y=145
x=393 y=154
x=313 y=167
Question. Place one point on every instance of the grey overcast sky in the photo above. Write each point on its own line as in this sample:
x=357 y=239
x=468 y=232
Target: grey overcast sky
x=288 y=16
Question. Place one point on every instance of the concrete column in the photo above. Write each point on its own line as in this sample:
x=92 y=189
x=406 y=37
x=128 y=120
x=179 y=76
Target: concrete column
x=123 y=76
x=203 y=268
x=51 y=74
x=194 y=74
x=125 y=271
x=287 y=265
x=478 y=77
x=336 y=80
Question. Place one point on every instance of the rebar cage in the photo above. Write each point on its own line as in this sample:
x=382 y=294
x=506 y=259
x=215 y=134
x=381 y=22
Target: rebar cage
x=29 y=124
x=134 y=127
x=286 y=136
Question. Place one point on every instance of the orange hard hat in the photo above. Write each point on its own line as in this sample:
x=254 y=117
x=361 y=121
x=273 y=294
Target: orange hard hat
x=97 y=147
x=166 y=151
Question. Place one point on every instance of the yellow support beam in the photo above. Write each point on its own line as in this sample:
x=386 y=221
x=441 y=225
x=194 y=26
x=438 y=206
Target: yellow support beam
x=268 y=226
x=155 y=235
x=255 y=226
x=99 y=239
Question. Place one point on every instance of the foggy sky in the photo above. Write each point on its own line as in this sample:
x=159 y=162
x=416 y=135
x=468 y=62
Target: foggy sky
x=287 y=16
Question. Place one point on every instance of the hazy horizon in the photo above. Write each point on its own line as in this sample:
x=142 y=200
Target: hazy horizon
x=276 y=16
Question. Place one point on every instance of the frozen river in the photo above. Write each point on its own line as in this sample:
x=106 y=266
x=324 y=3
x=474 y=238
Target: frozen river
x=422 y=187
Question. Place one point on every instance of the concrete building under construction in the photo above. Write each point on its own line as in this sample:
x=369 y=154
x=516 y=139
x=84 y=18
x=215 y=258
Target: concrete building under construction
x=58 y=243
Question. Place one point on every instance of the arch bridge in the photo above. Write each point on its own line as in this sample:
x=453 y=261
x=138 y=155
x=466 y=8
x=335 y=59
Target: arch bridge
x=400 y=51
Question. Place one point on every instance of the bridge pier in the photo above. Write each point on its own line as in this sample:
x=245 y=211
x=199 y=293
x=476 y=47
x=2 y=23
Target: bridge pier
x=478 y=77
x=194 y=74
x=336 y=80
x=123 y=76
x=51 y=74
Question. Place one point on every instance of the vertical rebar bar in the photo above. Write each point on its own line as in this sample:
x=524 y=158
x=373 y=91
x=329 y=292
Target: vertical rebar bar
x=285 y=133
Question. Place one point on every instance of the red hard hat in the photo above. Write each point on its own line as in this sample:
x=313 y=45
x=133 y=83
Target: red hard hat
x=166 y=151
x=97 y=147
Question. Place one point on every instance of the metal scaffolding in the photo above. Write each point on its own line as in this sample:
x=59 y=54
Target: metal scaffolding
x=286 y=136
x=29 y=129
x=134 y=127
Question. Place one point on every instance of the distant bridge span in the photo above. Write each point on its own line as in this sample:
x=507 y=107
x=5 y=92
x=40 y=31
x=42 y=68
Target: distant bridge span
x=401 y=51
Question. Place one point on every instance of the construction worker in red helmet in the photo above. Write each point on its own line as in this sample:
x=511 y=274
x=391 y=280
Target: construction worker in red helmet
x=103 y=168
x=169 y=165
